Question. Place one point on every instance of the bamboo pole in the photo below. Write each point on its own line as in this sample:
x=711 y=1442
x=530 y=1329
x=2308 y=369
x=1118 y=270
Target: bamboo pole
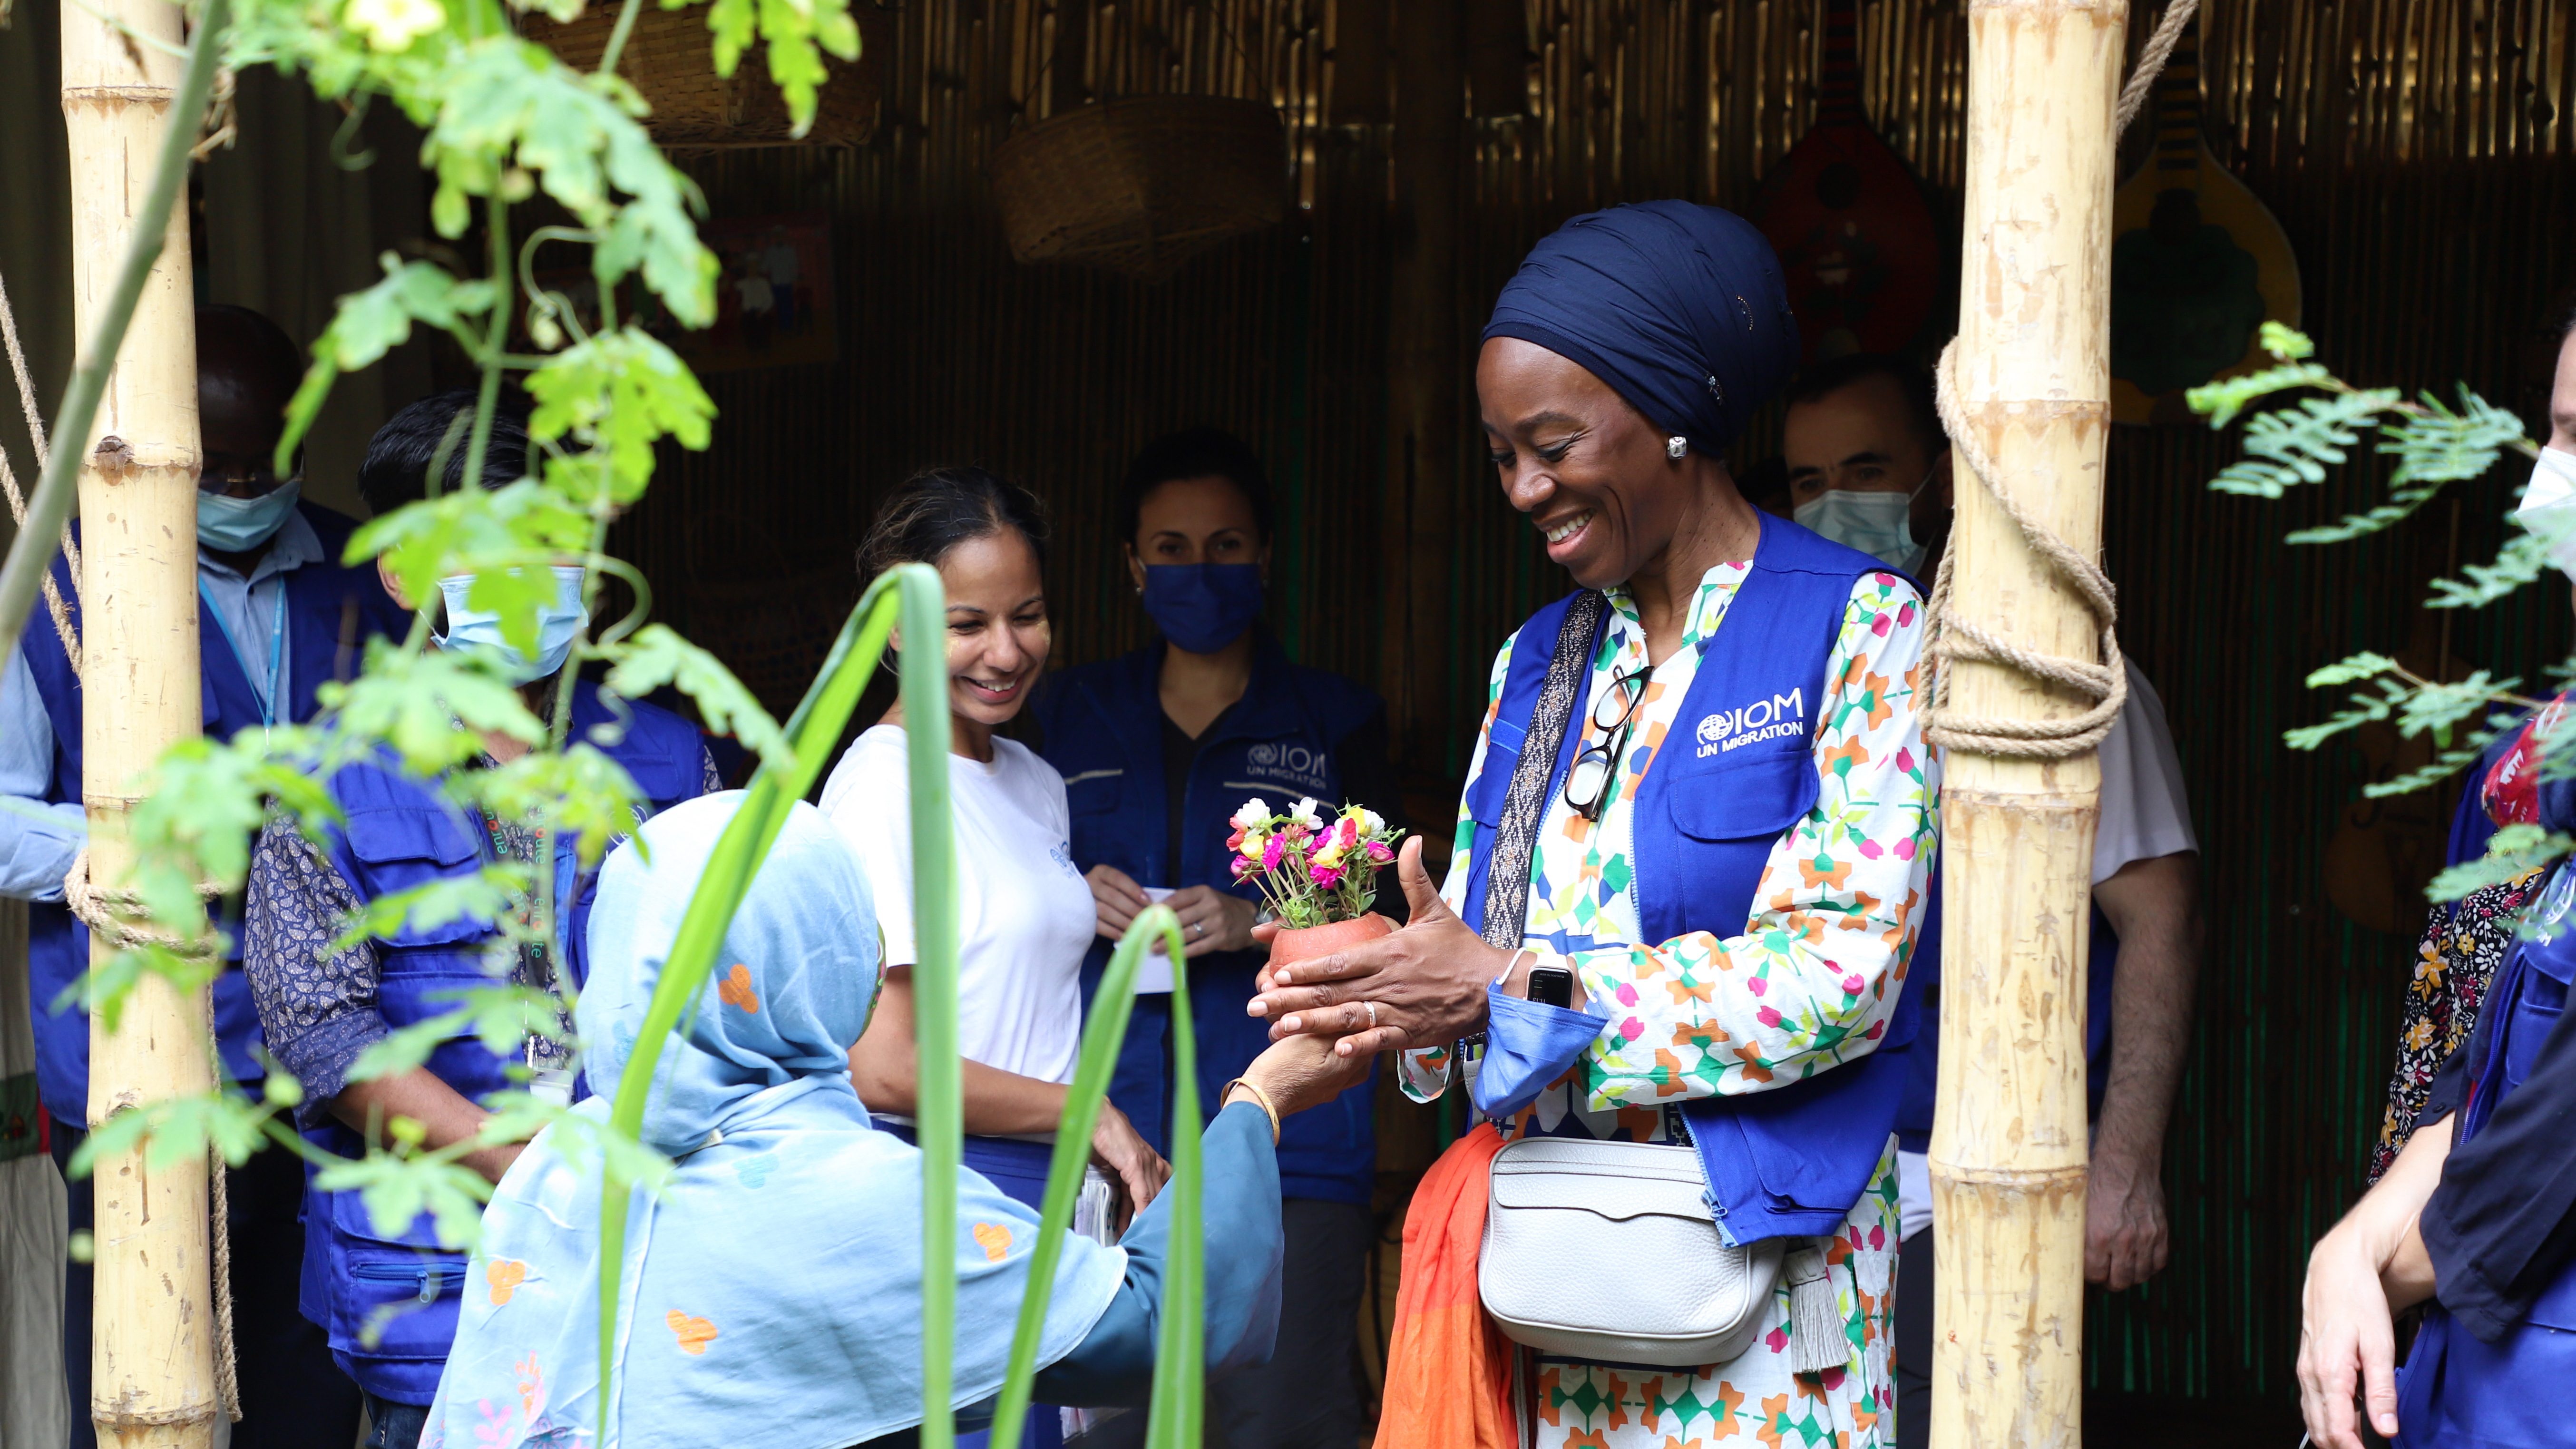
x=152 y=1375
x=2008 y=1152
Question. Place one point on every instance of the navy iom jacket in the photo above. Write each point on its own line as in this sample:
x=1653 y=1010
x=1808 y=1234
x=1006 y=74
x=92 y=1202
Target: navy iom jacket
x=1289 y=736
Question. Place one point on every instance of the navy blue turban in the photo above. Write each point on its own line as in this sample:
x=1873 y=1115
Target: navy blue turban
x=1679 y=308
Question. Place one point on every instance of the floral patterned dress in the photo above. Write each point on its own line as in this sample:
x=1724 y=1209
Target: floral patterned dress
x=1807 y=985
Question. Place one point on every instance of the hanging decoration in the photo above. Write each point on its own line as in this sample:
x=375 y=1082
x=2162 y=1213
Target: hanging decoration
x=1142 y=184
x=1858 y=243
x=2197 y=263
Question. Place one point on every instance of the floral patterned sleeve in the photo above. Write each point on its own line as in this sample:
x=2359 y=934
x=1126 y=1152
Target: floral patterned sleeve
x=1424 y=1074
x=1812 y=979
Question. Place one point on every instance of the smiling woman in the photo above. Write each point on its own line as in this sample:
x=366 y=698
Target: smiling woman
x=1024 y=914
x=1688 y=866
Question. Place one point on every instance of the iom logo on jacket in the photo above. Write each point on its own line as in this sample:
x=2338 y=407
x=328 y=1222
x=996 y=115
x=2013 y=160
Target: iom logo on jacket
x=1293 y=766
x=1782 y=716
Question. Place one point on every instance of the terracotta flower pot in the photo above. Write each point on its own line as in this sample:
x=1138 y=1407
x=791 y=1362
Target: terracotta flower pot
x=1308 y=942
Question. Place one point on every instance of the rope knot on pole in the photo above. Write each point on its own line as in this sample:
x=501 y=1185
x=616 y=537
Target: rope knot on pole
x=1952 y=638
x=111 y=915
x=116 y=915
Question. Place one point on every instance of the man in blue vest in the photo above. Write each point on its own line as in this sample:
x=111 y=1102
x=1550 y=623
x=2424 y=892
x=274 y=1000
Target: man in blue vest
x=278 y=617
x=1869 y=466
x=388 y=1301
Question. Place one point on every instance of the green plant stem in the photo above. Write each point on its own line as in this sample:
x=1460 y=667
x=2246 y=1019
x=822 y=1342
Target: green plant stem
x=1111 y=1007
x=617 y=35
x=479 y=441
x=816 y=725
x=939 y=1103
x=33 y=552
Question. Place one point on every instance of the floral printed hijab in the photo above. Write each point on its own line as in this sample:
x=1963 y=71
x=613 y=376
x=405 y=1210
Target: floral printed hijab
x=771 y=1292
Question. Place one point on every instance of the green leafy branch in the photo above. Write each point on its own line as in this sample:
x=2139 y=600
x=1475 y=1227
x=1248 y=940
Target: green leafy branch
x=2433 y=445
x=2288 y=447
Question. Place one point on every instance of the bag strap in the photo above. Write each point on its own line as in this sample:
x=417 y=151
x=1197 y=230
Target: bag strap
x=1507 y=877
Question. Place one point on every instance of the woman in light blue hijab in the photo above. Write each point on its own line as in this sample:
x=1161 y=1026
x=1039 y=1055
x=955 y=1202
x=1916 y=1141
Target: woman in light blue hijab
x=771 y=1292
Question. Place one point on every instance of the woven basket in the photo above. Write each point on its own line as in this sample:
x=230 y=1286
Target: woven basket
x=670 y=59
x=1141 y=185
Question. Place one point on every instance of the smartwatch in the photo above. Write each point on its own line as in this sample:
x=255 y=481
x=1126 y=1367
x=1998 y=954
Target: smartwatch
x=1553 y=985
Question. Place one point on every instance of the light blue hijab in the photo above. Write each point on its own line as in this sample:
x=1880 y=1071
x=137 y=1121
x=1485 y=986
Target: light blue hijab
x=772 y=1292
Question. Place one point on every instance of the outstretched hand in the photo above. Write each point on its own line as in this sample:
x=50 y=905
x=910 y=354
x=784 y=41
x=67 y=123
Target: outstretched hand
x=1427 y=980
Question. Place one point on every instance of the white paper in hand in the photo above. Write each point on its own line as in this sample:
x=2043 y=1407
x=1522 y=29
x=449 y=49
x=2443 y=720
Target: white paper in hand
x=1154 y=973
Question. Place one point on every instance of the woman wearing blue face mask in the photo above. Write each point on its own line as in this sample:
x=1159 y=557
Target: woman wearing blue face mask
x=1158 y=748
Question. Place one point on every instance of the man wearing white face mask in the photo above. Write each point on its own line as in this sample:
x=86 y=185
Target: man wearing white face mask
x=389 y=1303
x=278 y=616
x=1869 y=467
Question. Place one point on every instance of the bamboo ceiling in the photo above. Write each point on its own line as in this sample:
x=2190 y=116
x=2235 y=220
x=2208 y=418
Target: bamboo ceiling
x=2416 y=151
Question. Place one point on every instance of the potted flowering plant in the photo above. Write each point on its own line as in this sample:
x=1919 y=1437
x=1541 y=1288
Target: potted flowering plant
x=1318 y=879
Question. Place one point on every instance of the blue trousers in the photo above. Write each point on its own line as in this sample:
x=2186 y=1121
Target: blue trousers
x=1019 y=1169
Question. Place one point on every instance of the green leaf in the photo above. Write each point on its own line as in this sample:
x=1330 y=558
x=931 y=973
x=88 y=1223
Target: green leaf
x=618 y=393
x=2523 y=561
x=581 y=792
x=483 y=897
x=175 y=1129
x=414 y=703
x=370 y=324
x=405 y=1049
x=2295 y=445
x=2227 y=397
x=2512 y=851
x=470 y=530
x=2351 y=670
x=657 y=656
x=398 y=1187
x=2286 y=343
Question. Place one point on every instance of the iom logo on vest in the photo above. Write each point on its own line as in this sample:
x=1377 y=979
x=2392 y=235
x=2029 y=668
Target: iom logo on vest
x=1292 y=765
x=1782 y=716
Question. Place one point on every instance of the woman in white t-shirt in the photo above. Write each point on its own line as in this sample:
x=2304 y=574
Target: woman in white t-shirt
x=1024 y=914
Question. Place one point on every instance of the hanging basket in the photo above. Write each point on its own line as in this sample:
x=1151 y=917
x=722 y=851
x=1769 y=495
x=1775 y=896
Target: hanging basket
x=670 y=60
x=1141 y=185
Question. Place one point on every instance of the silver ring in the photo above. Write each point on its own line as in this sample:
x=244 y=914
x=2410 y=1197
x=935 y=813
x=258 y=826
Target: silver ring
x=1372 y=1006
x=1198 y=928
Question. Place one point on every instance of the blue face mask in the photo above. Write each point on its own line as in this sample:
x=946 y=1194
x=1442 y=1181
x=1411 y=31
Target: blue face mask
x=558 y=624
x=238 y=525
x=1203 y=607
x=1878 y=524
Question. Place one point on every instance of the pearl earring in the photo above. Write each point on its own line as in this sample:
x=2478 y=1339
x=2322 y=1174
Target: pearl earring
x=1675 y=446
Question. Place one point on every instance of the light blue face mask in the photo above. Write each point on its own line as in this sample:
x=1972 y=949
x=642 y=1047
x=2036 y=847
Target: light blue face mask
x=1877 y=523
x=558 y=624
x=238 y=525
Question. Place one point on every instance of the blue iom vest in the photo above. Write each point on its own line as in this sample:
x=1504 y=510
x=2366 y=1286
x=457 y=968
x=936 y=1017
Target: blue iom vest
x=331 y=612
x=1792 y=1160
x=2456 y=1390
x=402 y=1290
x=1104 y=734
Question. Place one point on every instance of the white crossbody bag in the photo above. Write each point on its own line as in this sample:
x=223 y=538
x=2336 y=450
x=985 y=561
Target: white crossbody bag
x=1608 y=1252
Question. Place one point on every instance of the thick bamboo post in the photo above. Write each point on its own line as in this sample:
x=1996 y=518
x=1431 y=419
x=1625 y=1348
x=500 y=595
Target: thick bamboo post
x=1423 y=375
x=2033 y=380
x=153 y=1350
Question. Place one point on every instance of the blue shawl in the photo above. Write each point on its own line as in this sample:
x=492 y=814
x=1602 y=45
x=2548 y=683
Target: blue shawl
x=772 y=1289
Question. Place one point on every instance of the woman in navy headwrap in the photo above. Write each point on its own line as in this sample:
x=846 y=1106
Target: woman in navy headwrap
x=1687 y=919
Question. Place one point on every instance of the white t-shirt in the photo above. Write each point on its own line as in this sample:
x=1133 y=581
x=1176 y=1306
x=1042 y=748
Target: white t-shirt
x=2144 y=815
x=1024 y=914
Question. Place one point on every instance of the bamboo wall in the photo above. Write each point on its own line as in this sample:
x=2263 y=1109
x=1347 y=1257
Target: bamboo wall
x=2417 y=151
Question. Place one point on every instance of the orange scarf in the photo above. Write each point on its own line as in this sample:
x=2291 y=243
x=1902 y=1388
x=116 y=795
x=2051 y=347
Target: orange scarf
x=1448 y=1370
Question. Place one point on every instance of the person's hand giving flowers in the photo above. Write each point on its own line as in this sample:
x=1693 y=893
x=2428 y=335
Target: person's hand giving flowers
x=1423 y=985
